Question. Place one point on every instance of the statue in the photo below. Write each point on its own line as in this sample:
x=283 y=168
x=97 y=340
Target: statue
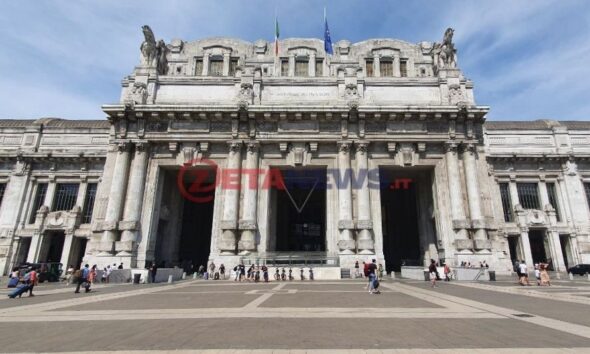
x=153 y=54
x=444 y=55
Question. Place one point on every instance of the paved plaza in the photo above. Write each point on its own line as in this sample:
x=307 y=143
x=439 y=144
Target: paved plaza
x=218 y=316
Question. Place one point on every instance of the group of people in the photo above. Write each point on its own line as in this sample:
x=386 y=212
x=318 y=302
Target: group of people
x=359 y=274
x=253 y=273
x=468 y=264
x=541 y=273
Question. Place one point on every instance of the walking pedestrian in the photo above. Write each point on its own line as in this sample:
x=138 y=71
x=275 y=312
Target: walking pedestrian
x=31 y=279
x=357 y=272
x=265 y=273
x=538 y=274
x=211 y=270
x=432 y=272
x=153 y=271
x=82 y=278
x=447 y=271
x=545 y=280
x=524 y=274
x=373 y=277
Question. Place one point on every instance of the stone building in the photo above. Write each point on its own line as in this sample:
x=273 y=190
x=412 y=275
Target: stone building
x=220 y=150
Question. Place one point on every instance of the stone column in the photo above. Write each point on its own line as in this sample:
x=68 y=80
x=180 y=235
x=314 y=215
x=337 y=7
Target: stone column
x=525 y=246
x=376 y=66
x=67 y=249
x=477 y=220
x=81 y=194
x=50 y=194
x=396 y=65
x=552 y=233
x=248 y=222
x=116 y=199
x=345 y=222
x=365 y=242
x=205 y=64
x=230 y=183
x=226 y=60
x=462 y=241
x=311 y=65
x=133 y=203
x=291 y=64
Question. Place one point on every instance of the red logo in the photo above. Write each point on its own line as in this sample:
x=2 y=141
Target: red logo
x=194 y=178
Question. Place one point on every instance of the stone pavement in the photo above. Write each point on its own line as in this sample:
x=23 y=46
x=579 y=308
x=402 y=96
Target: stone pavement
x=284 y=317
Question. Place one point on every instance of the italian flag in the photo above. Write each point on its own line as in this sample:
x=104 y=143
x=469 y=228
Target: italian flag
x=276 y=37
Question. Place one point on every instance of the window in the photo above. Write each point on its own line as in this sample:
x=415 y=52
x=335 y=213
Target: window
x=386 y=67
x=319 y=67
x=89 y=203
x=403 y=68
x=284 y=67
x=38 y=202
x=199 y=66
x=65 y=196
x=587 y=189
x=506 y=202
x=551 y=191
x=216 y=66
x=528 y=195
x=233 y=65
x=302 y=67
x=369 y=67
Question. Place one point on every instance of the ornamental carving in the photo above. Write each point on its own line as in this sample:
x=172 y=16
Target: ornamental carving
x=138 y=94
x=245 y=95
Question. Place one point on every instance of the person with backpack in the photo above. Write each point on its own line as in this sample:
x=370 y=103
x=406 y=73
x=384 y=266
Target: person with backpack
x=366 y=274
x=222 y=271
x=81 y=278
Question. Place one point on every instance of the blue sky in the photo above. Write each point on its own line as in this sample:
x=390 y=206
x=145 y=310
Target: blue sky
x=528 y=59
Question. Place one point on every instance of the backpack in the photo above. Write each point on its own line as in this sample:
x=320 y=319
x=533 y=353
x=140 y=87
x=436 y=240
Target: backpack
x=366 y=269
x=78 y=273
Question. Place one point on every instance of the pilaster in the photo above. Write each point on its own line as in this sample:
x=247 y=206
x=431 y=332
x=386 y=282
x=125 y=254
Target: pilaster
x=230 y=182
x=346 y=242
x=365 y=242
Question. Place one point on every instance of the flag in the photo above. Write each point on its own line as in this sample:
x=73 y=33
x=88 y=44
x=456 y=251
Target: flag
x=276 y=36
x=327 y=39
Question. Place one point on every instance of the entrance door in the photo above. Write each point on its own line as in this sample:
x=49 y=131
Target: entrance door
x=513 y=246
x=301 y=211
x=55 y=247
x=537 y=241
x=565 y=248
x=399 y=214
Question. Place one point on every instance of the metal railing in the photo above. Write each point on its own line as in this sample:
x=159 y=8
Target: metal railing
x=315 y=259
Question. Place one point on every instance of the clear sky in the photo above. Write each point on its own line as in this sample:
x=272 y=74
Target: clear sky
x=528 y=59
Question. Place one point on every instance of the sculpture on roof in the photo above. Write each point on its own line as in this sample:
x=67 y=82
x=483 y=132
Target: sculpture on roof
x=153 y=54
x=444 y=55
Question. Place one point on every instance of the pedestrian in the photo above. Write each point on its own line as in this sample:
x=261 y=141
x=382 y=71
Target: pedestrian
x=69 y=274
x=109 y=271
x=380 y=270
x=524 y=274
x=120 y=266
x=545 y=280
x=265 y=273
x=222 y=271
x=82 y=278
x=310 y=273
x=432 y=273
x=277 y=274
x=153 y=271
x=31 y=279
x=447 y=271
x=92 y=275
x=236 y=273
x=538 y=274
x=365 y=269
x=357 y=272
x=373 y=277
x=212 y=269
x=516 y=268
x=290 y=274
x=283 y=275
x=103 y=277
x=242 y=269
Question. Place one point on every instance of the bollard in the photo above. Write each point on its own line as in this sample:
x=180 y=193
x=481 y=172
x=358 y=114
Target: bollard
x=170 y=279
x=183 y=275
x=392 y=275
x=195 y=275
x=571 y=276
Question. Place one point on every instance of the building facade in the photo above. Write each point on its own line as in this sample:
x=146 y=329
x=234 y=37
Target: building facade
x=221 y=150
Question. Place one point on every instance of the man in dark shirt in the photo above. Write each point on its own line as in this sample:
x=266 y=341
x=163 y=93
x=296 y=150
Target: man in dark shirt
x=373 y=277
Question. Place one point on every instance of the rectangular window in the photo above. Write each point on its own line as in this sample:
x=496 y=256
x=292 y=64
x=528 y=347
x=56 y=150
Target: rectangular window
x=89 y=203
x=386 y=67
x=284 y=67
x=38 y=202
x=319 y=67
x=403 y=68
x=528 y=195
x=233 y=65
x=216 y=66
x=551 y=191
x=302 y=67
x=2 y=189
x=199 y=66
x=65 y=196
x=369 y=68
x=506 y=202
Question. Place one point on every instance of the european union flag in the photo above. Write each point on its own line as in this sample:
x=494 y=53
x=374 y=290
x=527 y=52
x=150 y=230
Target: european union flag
x=327 y=39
